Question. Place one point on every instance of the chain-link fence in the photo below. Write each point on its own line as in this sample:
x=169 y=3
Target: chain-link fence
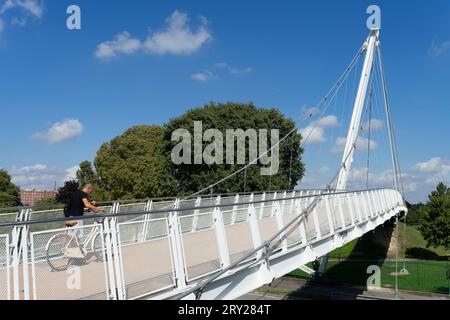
x=146 y=257
x=69 y=264
x=4 y=268
x=421 y=276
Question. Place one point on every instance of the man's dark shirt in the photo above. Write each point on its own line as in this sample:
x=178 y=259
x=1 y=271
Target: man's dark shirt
x=76 y=207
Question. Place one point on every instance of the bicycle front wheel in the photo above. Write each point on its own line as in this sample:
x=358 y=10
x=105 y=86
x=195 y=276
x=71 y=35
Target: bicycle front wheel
x=56 y=251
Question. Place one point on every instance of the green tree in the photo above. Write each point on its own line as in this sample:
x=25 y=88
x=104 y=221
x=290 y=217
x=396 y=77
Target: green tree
x=435 y=225
x=133 y=165
x=86 y=174
x=65 y=193
x=9 y=192
x=416 y=213
x=193 y=177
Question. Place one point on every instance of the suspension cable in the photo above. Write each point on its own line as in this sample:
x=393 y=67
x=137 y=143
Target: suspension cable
x=325 y=99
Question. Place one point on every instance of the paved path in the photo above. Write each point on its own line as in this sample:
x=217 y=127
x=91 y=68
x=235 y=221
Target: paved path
x=282 y=287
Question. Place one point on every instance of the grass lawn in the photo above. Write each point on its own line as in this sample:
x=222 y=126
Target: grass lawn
x=348 y=265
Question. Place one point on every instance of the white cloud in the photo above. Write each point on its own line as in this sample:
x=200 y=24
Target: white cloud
x=438 y=49
x=328 y=121
x=434 y=165
x=312 y=135
x=203 y=76
x=71 y=173
x=233 y=70
x=315 y=133
x=61 y=131
x=323 y=169
x=122 y=44
x=41 y=176
x=361 y=144
x=374 y=125
x=32 y=7
x=27 y=8
x=177 y=37
x=19 y=22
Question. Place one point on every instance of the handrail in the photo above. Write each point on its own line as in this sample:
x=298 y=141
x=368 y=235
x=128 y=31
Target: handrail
x=126 y=214
x=198 y=289
x=57 y=206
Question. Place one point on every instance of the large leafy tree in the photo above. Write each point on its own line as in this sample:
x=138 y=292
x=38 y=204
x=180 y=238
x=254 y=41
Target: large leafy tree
x=193 y=177
x=65 y=192
x=133 y=165
x=435 y=225
x=86 y=174
x=9 y=192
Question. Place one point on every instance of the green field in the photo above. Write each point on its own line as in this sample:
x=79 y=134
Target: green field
x=425 y=276
x=428 y=267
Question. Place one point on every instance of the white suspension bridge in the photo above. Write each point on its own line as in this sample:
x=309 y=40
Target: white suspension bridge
x=200 y=247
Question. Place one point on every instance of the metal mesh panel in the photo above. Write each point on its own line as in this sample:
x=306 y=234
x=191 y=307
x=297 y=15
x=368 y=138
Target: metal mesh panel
x=133 y=233
x=292 y=233
x=187 y=223
x=268 y=227
x=204 y=221
x=227 y=216
x=241 y=215
x=335 y=213
x=147 y=265
x=132 y=207
x=356 y=213
x=7 y=218
x=309 y=226
x=346 y=210
x=323 y=218
x=239 y=240
x=207 y=203
x=227 y=204
x=4 y=267
x=244 y=199
x=58 y=275
x=188 y=204
x=201 y=253
x=161 y=205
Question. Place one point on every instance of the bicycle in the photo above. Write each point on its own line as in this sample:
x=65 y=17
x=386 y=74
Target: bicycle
x=63 y=249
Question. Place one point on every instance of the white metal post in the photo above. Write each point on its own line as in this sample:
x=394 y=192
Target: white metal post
x=109 y=255
x=219 y=227
x=176 y=245
x=254 y=228
x=329 y=213
x=355 y=123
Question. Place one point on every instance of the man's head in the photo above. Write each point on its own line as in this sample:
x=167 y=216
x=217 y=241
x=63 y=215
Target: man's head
x=88 y=188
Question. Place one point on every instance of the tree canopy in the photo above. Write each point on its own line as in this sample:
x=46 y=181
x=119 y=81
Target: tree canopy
x=138 y=164
x=65 y=192
x=86 y=174
x=133 y=165
x=193 y=177
x=9 y=192
x=435 y=225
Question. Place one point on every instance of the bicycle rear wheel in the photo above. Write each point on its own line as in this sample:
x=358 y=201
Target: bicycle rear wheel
x=56 y=251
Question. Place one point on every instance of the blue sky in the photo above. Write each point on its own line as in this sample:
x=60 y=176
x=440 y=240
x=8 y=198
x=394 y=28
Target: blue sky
x=63 y=92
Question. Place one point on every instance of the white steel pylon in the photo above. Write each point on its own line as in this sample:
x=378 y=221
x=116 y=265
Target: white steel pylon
x=347 y=159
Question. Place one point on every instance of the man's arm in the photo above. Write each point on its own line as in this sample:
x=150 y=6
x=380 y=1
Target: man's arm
x=88 y=205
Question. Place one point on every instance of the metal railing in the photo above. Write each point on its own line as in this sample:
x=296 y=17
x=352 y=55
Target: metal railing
x=180 y=246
